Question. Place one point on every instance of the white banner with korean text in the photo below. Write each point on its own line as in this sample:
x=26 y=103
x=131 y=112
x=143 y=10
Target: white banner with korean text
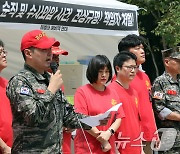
x=66 y=17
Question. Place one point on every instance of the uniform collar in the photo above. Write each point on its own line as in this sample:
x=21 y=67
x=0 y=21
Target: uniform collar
x=169 y=77
x=34 y=72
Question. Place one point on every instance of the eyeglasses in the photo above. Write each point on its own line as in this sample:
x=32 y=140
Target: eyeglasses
x=2 y=52
x=130 y=68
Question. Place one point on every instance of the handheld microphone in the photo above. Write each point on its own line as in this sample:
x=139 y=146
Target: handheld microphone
x=54 y=66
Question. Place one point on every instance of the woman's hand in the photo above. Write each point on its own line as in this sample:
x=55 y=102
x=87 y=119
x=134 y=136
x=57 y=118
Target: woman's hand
x=104 y=136
x=105 y=146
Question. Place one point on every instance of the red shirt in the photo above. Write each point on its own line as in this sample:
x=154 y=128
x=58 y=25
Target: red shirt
x=142 y=85
x=66 y=146
x=92 y=102
x=6 y=132
x=127 y=136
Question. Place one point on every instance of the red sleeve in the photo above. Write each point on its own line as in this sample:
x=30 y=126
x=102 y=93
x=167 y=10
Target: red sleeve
x=66 y=147
x=120 y=113
x=0 y=127
x=6 y=132
x=80 y=102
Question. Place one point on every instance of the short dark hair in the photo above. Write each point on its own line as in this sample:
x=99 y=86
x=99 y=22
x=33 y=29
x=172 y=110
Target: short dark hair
x=95 y=64
x=1 y=43
x=122 y=57
x=31 y=48
x=130 y=41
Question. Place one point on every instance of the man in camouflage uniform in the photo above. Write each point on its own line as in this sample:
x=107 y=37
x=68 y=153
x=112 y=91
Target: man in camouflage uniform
x=40 y=110
x=166 y=94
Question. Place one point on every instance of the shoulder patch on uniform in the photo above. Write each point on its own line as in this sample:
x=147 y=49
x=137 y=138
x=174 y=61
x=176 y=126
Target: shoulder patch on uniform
x=158 y=95
x=171 y=92
x=40 y=91
x=24 y=90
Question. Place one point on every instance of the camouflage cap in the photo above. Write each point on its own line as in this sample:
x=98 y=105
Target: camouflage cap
x=171 y=52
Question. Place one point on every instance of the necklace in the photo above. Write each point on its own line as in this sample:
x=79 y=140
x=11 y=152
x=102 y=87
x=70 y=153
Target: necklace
x=119 y=83
x=124 y=86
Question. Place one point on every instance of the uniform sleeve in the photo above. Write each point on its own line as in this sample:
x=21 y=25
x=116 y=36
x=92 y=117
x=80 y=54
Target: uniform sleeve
x=159 y=103
x=25 y=103
x=71 y=118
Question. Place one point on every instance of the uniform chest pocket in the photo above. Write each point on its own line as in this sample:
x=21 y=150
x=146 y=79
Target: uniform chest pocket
x=173 y=102
x=39 y=90
x=172 y=93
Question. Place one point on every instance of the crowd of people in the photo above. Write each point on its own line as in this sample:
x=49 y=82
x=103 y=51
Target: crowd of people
x=35 y=116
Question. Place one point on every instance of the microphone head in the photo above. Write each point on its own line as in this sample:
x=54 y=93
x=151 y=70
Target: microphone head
x=54 y=66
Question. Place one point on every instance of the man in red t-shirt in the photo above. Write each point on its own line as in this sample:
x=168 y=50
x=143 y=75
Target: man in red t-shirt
x=142 y=85
x=6 y=132
x=128 y=138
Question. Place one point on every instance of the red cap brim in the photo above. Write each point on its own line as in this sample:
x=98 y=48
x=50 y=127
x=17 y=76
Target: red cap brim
x=48 y=43
x=58 y=51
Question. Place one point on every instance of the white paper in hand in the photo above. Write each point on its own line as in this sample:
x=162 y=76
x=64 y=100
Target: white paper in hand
x=95 y=120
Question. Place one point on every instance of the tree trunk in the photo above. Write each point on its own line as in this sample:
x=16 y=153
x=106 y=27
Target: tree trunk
x=153 y=57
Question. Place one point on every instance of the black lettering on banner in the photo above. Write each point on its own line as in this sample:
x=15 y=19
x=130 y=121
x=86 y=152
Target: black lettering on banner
x=45 y=27
x=54 y=28
x=64 y=28
x=59 y=16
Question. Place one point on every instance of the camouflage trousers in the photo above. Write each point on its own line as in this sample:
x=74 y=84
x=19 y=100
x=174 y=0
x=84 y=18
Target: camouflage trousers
x=173 y=150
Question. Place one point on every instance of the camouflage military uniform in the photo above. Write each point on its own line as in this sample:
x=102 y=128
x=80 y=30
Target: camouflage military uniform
x=166 y=94
x=38 y=114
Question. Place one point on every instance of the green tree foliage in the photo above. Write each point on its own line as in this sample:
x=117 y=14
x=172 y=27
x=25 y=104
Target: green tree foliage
x=166 y=15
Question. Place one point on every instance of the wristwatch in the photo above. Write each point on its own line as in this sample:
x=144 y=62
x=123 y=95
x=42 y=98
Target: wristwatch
x=112 y=131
